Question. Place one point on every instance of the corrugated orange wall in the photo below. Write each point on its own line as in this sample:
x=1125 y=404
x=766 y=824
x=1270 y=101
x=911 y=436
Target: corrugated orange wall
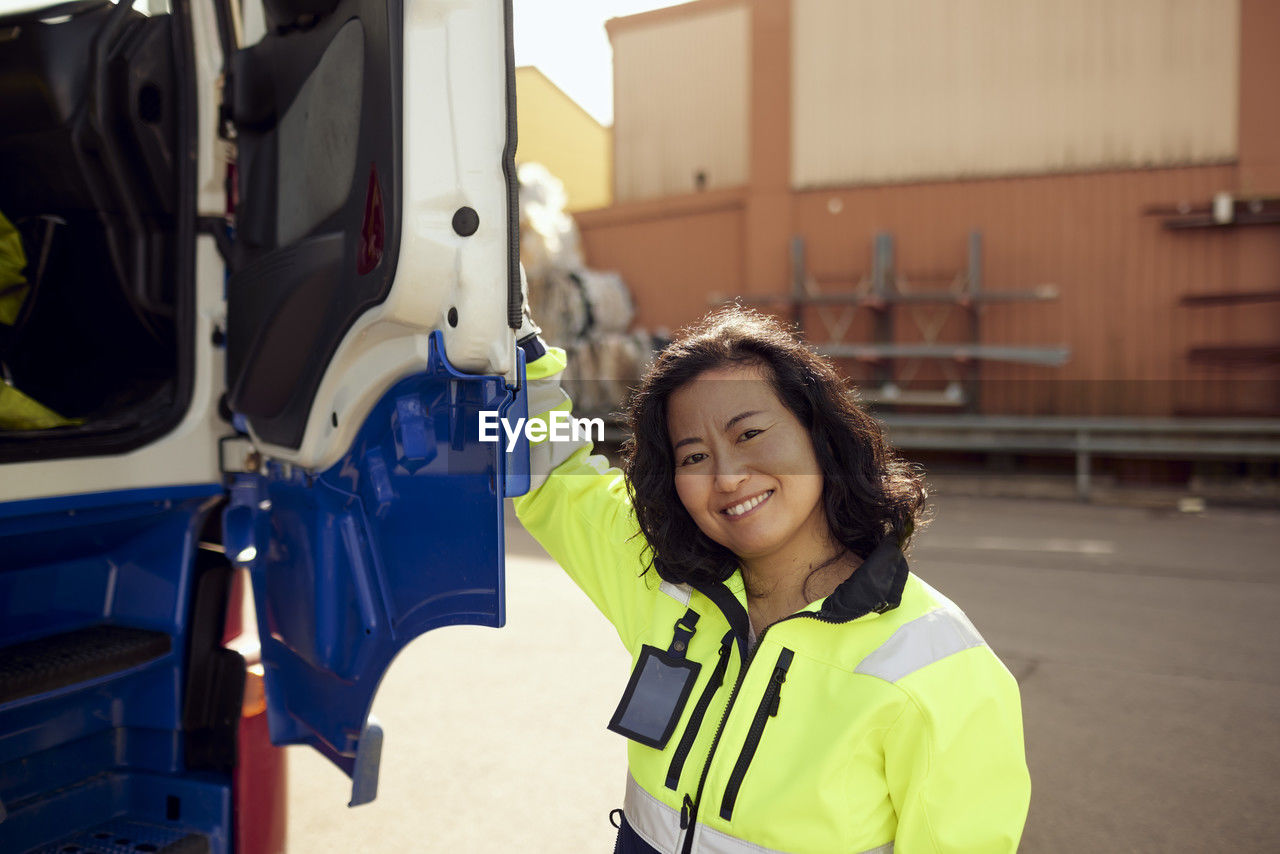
x=1120 y=275
x=675 y=254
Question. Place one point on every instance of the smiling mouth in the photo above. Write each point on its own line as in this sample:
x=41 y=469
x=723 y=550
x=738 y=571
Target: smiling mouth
x=747 y=506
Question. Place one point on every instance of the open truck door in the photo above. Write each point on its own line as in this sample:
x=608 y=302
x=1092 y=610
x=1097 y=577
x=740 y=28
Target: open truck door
x=371 y=306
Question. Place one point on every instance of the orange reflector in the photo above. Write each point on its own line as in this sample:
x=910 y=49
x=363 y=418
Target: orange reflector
x=255 y=693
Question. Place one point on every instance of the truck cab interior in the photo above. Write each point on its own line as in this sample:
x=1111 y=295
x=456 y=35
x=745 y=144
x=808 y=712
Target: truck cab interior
x=118 y=703
x=94 y=177
x=120 y=708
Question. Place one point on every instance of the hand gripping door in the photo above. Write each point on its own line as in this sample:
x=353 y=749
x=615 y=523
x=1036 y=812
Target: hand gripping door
x=373 y=291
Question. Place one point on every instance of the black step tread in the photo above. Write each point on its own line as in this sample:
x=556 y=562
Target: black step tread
x=49 y=663
x=121 y=836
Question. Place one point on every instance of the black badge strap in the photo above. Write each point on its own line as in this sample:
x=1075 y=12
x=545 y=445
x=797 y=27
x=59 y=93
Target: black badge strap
x=659 y=687
x=685 y=627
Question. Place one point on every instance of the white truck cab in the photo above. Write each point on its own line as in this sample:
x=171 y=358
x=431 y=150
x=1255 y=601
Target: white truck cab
x=271 y=284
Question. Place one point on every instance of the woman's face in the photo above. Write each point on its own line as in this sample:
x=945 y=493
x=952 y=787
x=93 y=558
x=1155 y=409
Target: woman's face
x=745 y=468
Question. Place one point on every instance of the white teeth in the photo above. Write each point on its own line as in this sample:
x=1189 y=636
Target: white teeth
x=739 y=509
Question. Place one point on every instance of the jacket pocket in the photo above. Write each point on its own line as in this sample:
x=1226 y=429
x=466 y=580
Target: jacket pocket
x=767 y=709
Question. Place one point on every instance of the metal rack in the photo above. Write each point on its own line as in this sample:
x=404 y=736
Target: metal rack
x=884 y=291
x=1225 y=211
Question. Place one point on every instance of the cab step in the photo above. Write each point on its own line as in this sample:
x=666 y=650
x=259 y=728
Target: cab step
x=57 y=661
x=121 y=836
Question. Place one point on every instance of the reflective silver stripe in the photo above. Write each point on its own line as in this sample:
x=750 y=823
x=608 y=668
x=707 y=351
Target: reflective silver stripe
x=659 y=825
x=920 y=643
x=545 y=456
x=679 y=592
x=708 y=841
x=545 y=395
x=654 y=821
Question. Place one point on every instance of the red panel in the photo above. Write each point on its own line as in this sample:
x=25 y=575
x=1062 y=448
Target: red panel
x=260 y=791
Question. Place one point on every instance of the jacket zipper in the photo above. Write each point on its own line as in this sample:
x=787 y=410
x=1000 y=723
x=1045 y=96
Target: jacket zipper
x=768 y=708
x=699 y=712
x=689 y=810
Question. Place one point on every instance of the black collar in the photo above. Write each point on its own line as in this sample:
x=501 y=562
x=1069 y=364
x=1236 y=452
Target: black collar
x=876 y=586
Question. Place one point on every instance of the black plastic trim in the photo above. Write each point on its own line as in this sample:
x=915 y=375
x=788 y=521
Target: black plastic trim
x=515 y=299
x=216 y=227
x=214 y=692
x=226 y=30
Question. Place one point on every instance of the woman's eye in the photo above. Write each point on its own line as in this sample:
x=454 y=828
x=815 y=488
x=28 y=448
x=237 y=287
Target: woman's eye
x=749 y=434
x=693 y=458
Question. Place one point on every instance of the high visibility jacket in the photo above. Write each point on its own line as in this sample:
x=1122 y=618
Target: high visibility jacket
x=874 y=720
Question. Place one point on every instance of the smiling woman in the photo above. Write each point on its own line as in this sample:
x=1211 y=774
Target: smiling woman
x=748 y=409
x=749 y=480
x=753 y=548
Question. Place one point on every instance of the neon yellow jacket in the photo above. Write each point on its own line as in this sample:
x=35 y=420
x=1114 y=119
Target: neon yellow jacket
x=874 y=720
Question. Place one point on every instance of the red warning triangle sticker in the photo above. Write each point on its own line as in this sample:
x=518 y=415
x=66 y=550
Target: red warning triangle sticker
x=373 y=232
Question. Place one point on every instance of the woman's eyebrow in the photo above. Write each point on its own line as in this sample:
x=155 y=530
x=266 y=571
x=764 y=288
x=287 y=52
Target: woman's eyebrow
x=741 y=415
x=691 y=440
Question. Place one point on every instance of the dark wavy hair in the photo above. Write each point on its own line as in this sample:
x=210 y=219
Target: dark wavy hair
x=868 y=492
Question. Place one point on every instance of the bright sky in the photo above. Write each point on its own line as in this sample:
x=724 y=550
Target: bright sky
x=567 y=41
x=564 y=38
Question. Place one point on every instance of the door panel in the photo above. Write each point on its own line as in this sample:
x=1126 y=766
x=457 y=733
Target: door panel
x=315 y=111
x=404 y=534
x=370 y=311
x=376 y=205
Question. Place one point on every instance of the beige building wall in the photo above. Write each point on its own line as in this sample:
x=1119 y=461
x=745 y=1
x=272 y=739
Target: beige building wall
x=558 y=133
x=902 y=90
x=680 y=100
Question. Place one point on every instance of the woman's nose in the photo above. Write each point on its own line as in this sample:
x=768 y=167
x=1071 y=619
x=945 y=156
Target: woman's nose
x=729 y=476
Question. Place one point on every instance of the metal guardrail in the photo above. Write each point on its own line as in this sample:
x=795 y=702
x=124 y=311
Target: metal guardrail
x=1085 y=438
x=1052 y=357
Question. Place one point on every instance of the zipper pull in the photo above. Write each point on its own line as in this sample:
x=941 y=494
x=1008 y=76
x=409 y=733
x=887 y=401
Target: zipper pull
x=686 y=810
x=779 y=676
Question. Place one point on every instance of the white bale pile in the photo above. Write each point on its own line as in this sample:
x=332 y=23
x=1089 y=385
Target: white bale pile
x=587 y=312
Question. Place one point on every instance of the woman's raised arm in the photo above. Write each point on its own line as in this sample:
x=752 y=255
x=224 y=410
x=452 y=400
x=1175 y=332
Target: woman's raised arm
x=579 y=510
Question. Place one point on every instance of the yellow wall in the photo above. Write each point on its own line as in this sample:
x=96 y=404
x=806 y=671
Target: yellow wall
x=559 y=134
x=910 y=90
x=681 y=106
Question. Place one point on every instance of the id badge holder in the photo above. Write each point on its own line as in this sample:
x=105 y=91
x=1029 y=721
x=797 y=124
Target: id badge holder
x=659 y=687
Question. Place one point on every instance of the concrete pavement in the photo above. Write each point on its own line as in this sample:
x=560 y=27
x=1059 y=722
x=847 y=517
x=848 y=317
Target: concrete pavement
x=1145 y=643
